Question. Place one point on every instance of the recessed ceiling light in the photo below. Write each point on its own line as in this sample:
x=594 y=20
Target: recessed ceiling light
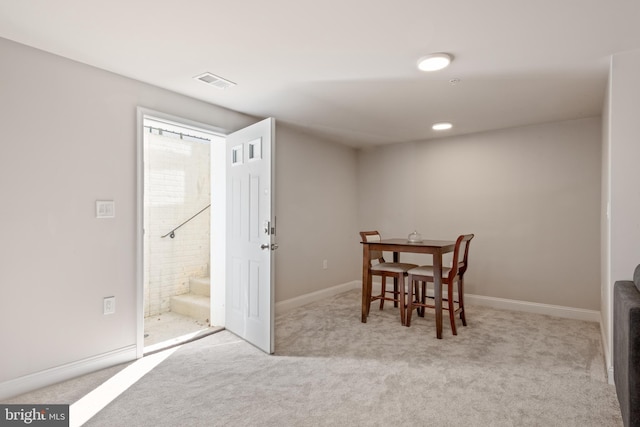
x=216 y=81
x=434 y=62
x=442 y=126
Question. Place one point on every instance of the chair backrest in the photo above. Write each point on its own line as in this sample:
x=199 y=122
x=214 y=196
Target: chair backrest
x=459 y=264
x=372 y=236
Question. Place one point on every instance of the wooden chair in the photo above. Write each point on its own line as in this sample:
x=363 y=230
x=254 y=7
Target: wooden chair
x=395 y=270
x=423 y=274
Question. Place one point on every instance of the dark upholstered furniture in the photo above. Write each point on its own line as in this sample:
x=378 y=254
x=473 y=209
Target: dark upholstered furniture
x=626 y=347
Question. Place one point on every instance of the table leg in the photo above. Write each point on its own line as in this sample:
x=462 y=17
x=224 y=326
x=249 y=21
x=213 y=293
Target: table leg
x=366 y=283
x=437 y=290
x=396 y=283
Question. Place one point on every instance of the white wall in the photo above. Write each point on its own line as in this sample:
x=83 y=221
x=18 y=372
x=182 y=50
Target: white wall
x=316 y=218
x=530 y=194
x=621 y=252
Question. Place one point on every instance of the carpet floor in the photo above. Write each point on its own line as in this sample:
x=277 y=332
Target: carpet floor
x=505 y=368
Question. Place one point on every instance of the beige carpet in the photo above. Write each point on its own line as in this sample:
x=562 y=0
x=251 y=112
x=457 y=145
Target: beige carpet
x=504 y=369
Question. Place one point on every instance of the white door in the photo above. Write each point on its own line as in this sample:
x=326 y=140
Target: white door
x=249 y=296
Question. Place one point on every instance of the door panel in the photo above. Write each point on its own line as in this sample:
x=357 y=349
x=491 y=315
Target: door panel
x=254 y=209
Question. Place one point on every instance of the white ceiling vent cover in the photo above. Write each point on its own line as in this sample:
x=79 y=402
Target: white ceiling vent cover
x=213 y=80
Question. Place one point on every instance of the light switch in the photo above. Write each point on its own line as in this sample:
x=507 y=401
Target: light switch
x=105 y=209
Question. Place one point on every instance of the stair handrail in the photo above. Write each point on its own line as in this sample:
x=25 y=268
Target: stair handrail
x=172 y=233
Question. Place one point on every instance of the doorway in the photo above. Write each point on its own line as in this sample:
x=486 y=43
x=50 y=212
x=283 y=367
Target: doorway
x=241 y=210
x=176 y=216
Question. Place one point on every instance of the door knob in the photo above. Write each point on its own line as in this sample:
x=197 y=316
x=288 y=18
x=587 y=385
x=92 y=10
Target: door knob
x=274 y=246
x=263 y=247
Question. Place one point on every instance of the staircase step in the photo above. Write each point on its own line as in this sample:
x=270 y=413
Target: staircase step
x=196 y=306
x=200 y=286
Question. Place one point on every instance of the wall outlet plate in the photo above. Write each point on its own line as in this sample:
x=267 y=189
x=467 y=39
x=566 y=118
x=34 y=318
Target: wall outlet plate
x=109 y=305
x=105 y=209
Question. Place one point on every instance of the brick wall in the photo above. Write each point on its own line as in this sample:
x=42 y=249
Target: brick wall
x=177 y=186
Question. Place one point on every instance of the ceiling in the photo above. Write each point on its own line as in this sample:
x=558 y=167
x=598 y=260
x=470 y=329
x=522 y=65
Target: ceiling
x=346 y=69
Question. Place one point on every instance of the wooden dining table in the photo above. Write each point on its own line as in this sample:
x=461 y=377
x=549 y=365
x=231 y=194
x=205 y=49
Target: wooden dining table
x=434 y=247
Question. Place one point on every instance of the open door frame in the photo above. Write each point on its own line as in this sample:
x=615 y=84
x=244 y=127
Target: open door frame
x=218 y=270
x=141 y=113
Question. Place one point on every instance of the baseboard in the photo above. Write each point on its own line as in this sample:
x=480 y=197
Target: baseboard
x=290 y=304
x=516 y=305
x=533 y=307
x=27 y=383
x=500 y=303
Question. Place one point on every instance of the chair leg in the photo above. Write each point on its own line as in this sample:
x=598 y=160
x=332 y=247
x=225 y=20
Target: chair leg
x=402 y=300
x=383 y=291
x=395 y=291
x=409 y=310
x=423 y=299
x=461 y=300
x=452 y=312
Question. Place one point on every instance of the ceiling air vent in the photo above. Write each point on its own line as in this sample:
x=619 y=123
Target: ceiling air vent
x=213 y=80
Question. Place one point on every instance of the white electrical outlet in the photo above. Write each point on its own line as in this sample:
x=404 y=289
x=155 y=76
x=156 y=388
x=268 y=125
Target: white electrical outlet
x=105 y=209
x=325 y=264
x=109 y=305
